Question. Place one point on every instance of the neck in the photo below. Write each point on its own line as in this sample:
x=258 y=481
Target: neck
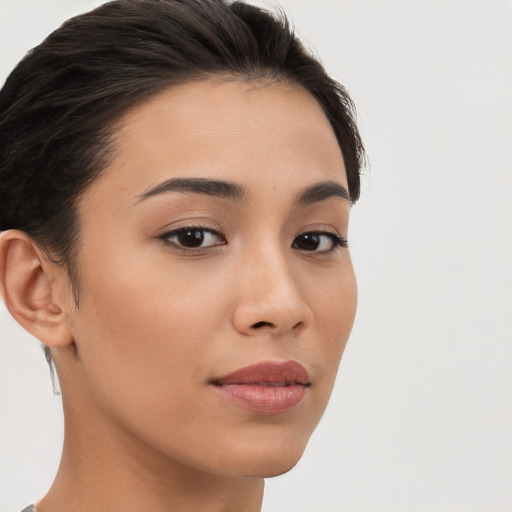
x=104 y=467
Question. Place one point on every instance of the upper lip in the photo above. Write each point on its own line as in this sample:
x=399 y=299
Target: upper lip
x=267 y=372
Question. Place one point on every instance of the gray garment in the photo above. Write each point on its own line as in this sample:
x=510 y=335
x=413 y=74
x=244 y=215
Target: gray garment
x=30 y=508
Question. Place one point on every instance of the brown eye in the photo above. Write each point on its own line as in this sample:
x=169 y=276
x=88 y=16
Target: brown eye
x=193 y=238
x=307 y=242
x=190 y=238
x=318 y=242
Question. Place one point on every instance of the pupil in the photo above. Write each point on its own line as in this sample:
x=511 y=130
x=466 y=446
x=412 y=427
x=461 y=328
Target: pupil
x=310 y=242
x=191 y=238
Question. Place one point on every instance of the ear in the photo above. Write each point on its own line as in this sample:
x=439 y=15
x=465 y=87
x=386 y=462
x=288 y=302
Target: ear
x=28 y=285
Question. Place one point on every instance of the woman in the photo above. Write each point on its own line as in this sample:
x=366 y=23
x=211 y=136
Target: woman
x=176 y=181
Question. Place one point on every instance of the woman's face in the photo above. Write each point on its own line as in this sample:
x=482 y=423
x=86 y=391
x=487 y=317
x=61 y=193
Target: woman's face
x=213 y=242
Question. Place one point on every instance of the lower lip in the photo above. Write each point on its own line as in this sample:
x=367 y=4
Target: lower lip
x=263 y=399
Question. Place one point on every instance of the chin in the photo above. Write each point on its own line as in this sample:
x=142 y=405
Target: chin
x=262 y=448
x=262 y=468
x=280 y=470
x=265 y=459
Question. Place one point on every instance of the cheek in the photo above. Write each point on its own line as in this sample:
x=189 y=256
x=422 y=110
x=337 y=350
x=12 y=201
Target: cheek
x=145 y=332
x=334 y=314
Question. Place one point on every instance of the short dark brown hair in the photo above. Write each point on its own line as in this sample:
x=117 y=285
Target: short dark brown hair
x=60 y=105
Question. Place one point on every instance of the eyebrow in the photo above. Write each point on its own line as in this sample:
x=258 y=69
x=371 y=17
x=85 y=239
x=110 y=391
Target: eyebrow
x=209 y=187
x=229 y=190
x=322 y=191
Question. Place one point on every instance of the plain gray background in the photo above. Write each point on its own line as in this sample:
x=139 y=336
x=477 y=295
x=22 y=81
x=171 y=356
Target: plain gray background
x=421 y=416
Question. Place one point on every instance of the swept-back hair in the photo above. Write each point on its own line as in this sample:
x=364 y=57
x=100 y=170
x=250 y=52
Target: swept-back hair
x=60 y=105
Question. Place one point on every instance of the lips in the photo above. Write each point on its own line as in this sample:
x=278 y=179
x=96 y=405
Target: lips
x=265 y=388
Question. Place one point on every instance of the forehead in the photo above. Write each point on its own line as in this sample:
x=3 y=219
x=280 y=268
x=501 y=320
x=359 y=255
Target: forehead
x=240 y=131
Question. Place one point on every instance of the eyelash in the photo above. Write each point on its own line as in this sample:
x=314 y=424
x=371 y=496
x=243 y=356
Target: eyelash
x=336 y=240
x=191 y=229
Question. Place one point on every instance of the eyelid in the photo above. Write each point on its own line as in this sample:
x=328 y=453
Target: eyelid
x=199 y=223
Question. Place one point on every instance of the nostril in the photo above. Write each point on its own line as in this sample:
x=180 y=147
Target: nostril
x=257 y=325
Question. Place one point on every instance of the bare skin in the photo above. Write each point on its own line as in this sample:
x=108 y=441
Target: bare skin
x=159 y=320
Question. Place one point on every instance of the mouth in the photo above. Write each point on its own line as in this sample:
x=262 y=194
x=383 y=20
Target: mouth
x=265 y=388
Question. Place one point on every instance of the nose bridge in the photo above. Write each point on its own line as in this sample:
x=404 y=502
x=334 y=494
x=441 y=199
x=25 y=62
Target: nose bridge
x=269 y=294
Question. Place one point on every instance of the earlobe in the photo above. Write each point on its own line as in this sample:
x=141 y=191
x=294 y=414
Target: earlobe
x=27 y=285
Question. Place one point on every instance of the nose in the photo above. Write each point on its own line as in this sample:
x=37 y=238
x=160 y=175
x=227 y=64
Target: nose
x=269 y=297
